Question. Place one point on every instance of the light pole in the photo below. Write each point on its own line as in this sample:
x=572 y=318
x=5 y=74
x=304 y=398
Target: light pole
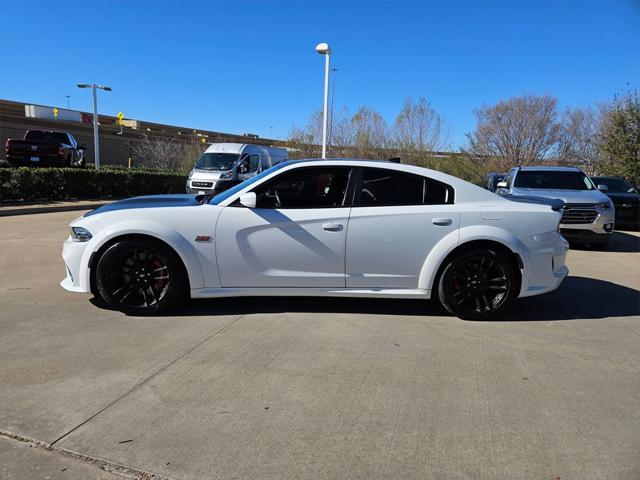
x=323 y=49
x=68 y=103
x=96 y=141
x=333 y=85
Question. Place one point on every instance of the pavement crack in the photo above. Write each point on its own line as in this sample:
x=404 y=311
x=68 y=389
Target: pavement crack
x=104 y=465
x=146 y=380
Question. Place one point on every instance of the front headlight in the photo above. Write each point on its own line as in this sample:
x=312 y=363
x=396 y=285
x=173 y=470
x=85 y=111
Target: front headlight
x=227 y=174
x=604 y=205
x=79 y=234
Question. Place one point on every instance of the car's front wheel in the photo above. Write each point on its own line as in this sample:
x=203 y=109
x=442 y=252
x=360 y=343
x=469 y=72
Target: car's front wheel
x=478 y=284
x=140 y=277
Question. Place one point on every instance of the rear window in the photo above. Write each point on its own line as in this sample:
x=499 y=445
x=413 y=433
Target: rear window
x=47 y=137
x=553 y=180
x=382 y=187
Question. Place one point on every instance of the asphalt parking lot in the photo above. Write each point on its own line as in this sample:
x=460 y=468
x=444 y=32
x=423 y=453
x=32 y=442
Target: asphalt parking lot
x=317 y=388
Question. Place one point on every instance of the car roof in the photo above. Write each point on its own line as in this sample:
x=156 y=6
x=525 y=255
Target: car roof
x=554 y=168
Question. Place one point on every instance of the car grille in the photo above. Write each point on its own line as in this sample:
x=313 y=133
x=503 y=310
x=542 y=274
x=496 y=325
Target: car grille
x=202 y=184
x=575 y=213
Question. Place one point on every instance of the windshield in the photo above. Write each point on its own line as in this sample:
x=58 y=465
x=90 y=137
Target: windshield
x=216 y=161
x=553 y=180
x=233 y=190
x=616 y=185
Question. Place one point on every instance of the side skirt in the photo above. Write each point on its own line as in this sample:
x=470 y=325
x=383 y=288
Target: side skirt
x=310 y=292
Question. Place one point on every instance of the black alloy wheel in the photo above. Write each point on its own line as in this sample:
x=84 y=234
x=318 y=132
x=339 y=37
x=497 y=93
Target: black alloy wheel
x=140 y=277
x=478 y=284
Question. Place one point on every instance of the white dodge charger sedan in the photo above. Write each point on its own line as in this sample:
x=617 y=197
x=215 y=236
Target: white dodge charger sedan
x=351 y=228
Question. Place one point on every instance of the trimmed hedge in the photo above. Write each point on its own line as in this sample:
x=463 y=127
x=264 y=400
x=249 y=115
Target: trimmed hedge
x=27 y=184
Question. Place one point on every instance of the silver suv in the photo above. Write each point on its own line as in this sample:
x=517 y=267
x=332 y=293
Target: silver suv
x=588 y=214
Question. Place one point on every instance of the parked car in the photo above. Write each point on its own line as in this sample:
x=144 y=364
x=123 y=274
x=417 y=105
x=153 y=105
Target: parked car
x=626 y=200
x=588 y=214
x=45 y=149
x=224 y=165
x=349 y=228
x=492 y=179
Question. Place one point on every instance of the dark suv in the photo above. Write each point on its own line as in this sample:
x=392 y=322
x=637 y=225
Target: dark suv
x=625 y=199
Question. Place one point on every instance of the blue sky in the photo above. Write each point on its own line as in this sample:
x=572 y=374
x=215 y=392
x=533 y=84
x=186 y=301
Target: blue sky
x=240 y=66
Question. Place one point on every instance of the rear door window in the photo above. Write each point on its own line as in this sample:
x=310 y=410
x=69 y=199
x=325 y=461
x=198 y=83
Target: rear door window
x=383 y=187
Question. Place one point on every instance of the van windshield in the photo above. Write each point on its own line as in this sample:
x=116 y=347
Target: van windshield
x=553 y=180
x=216 y=161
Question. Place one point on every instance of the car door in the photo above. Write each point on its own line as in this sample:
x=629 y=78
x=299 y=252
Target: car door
x=248 y=166
x=396 y=220
x=295 y=237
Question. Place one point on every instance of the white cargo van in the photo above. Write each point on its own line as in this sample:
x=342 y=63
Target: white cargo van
x=223 y=165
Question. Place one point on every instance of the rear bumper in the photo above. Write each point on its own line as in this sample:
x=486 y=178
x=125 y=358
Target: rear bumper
x=43 y=160
x=545 y=264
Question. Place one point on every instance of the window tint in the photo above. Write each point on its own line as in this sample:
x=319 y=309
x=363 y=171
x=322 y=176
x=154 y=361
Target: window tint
x=254 y=162
x=305 y=188
x=382 y=187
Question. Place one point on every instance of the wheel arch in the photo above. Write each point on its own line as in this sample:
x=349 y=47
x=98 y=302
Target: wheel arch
x=189 y=274
x=497 y=239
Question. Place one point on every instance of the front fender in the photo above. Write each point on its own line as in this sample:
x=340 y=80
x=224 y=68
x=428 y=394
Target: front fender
x=465 y=235
x=153 y=229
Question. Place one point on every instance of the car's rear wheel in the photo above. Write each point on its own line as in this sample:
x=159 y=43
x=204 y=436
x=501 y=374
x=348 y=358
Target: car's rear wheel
x=140 y=277
x=478 y=284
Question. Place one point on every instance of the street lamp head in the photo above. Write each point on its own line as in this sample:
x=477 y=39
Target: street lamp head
x=323 y=49
x=106 y=89
x=84 y=85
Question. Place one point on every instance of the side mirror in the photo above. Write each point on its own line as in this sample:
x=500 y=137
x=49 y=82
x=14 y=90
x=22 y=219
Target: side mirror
x=603 y=188
x=243 y=168
x=502 y=185
x=248 y=199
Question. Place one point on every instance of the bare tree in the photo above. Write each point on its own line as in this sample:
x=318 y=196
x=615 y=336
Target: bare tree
x=166 y=152
x=578 y=138
x=519 y=131
x=418 y=127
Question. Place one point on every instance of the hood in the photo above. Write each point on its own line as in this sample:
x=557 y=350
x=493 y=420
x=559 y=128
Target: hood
x=624 y=197
x=149 y=201
x=567 y=196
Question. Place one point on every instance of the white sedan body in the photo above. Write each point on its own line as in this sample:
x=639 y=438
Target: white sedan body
x=363 y=246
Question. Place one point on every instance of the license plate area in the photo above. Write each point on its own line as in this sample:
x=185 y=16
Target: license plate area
x=35 y=159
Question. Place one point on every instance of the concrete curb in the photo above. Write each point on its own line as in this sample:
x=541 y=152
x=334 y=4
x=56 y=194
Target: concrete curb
x=11 y=211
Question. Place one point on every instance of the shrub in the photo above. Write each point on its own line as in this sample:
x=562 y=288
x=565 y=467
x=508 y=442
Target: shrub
x=71 y=183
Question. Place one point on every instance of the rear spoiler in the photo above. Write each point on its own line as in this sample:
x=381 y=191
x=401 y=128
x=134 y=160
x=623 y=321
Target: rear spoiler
x=555 y=203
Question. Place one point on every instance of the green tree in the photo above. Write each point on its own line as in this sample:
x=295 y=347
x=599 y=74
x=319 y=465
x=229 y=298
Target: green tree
x=620 y=137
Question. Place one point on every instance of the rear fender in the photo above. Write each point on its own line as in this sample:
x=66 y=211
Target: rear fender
x=469 y=234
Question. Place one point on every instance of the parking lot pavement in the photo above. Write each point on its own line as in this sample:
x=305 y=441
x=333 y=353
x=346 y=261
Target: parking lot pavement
x=322 y=388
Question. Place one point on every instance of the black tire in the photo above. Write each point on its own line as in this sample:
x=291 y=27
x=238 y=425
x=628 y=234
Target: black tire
x=140 y=277
x=477 y=284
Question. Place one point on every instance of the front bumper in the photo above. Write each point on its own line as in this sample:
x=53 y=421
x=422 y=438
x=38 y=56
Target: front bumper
x=76 y=279
x=598 y=230
x=545 y=263
x=217 y=187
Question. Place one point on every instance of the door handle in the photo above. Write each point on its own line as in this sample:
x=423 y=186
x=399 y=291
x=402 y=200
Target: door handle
x=442 y=222
x=332 y=227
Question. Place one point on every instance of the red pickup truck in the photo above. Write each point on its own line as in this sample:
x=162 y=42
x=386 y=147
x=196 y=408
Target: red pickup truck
x=45 y=148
